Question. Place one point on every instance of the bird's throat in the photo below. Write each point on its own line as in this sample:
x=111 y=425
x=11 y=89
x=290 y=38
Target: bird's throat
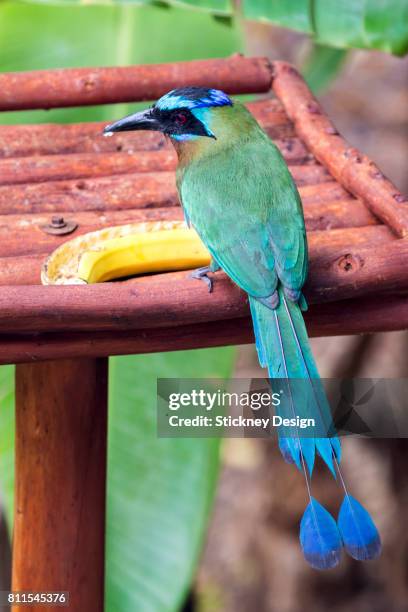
x=192 y=150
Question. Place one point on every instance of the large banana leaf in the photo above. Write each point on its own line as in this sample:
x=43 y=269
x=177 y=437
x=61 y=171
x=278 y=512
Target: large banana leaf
x=159 y=490
x=367 y=24
x=370 y=24
x=294 y=14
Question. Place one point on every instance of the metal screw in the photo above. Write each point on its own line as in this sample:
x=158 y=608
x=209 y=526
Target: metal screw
x=59 y=227
x=58 y=222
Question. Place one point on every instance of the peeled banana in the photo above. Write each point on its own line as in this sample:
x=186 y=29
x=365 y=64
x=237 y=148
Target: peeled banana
x=126 y=250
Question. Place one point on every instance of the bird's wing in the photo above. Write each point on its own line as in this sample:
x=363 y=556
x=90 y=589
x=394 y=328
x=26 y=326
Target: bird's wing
x=246 y=209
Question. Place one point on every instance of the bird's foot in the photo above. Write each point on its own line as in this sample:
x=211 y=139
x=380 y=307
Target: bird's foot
x=202 y=274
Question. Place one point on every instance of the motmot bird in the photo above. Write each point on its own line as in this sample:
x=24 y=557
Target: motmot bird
x=238 y=194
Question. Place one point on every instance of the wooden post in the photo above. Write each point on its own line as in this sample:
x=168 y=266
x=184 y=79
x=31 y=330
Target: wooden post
x=59 y=529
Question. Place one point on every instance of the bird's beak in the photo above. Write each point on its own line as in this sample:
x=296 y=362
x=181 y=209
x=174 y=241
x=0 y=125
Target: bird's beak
x=138 y=121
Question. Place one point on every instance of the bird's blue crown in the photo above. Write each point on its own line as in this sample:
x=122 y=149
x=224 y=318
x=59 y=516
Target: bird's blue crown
x=192 y=98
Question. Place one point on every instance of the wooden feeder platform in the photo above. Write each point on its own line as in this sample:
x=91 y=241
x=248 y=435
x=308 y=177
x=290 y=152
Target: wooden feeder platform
x=356 y=219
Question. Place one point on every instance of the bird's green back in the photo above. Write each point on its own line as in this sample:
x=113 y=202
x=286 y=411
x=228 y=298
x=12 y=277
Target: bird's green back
x=238 y=194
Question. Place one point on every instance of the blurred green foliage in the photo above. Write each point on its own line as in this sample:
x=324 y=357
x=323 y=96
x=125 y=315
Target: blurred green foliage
x=364 y=24
x=159 y=490
x=322 y=65
x=367 y=24
x=295 y=14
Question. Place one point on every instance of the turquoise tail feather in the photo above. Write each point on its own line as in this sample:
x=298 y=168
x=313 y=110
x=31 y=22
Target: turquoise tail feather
x=319 y=537
x=357 y=529
x=283 y=347
x=294 y=360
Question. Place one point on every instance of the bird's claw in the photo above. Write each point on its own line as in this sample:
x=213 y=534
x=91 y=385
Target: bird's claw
x=202 y=274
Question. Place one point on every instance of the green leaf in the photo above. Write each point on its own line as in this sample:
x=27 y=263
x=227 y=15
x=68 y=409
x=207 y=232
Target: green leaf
x=293 y=14
x=369 y=24
x=7 y=423
x=322 y=66
x=159 y=490
x=213 y=6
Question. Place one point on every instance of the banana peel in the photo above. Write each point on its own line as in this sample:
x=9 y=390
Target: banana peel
x=125 y=250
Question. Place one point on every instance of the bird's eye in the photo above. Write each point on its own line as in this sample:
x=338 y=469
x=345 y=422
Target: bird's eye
x=180 y=118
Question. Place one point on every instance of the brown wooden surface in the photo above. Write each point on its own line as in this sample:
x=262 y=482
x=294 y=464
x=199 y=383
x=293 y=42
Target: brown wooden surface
x=16 y=236
x=38 y=169
x=385 y=313
x=138 y=303
x=355 y=171
x=59 y=522
x=129 y=191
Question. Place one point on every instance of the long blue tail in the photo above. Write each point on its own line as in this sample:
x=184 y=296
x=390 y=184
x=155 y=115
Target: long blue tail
x=283 y=347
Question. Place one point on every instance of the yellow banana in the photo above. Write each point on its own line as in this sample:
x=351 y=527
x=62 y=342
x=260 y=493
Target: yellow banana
x=127 y=250
x=177 y=249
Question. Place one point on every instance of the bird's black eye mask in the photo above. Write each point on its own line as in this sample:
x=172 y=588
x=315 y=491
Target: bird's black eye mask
x=178 y=122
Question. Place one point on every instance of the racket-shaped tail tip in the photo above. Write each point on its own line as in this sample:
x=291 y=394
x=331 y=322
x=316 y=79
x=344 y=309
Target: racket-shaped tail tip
x=358 y=531
x=319 y=537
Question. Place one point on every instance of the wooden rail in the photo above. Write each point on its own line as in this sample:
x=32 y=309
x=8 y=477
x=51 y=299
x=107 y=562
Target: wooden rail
x=86 y=86
x=354 y=170
x=384 y=313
